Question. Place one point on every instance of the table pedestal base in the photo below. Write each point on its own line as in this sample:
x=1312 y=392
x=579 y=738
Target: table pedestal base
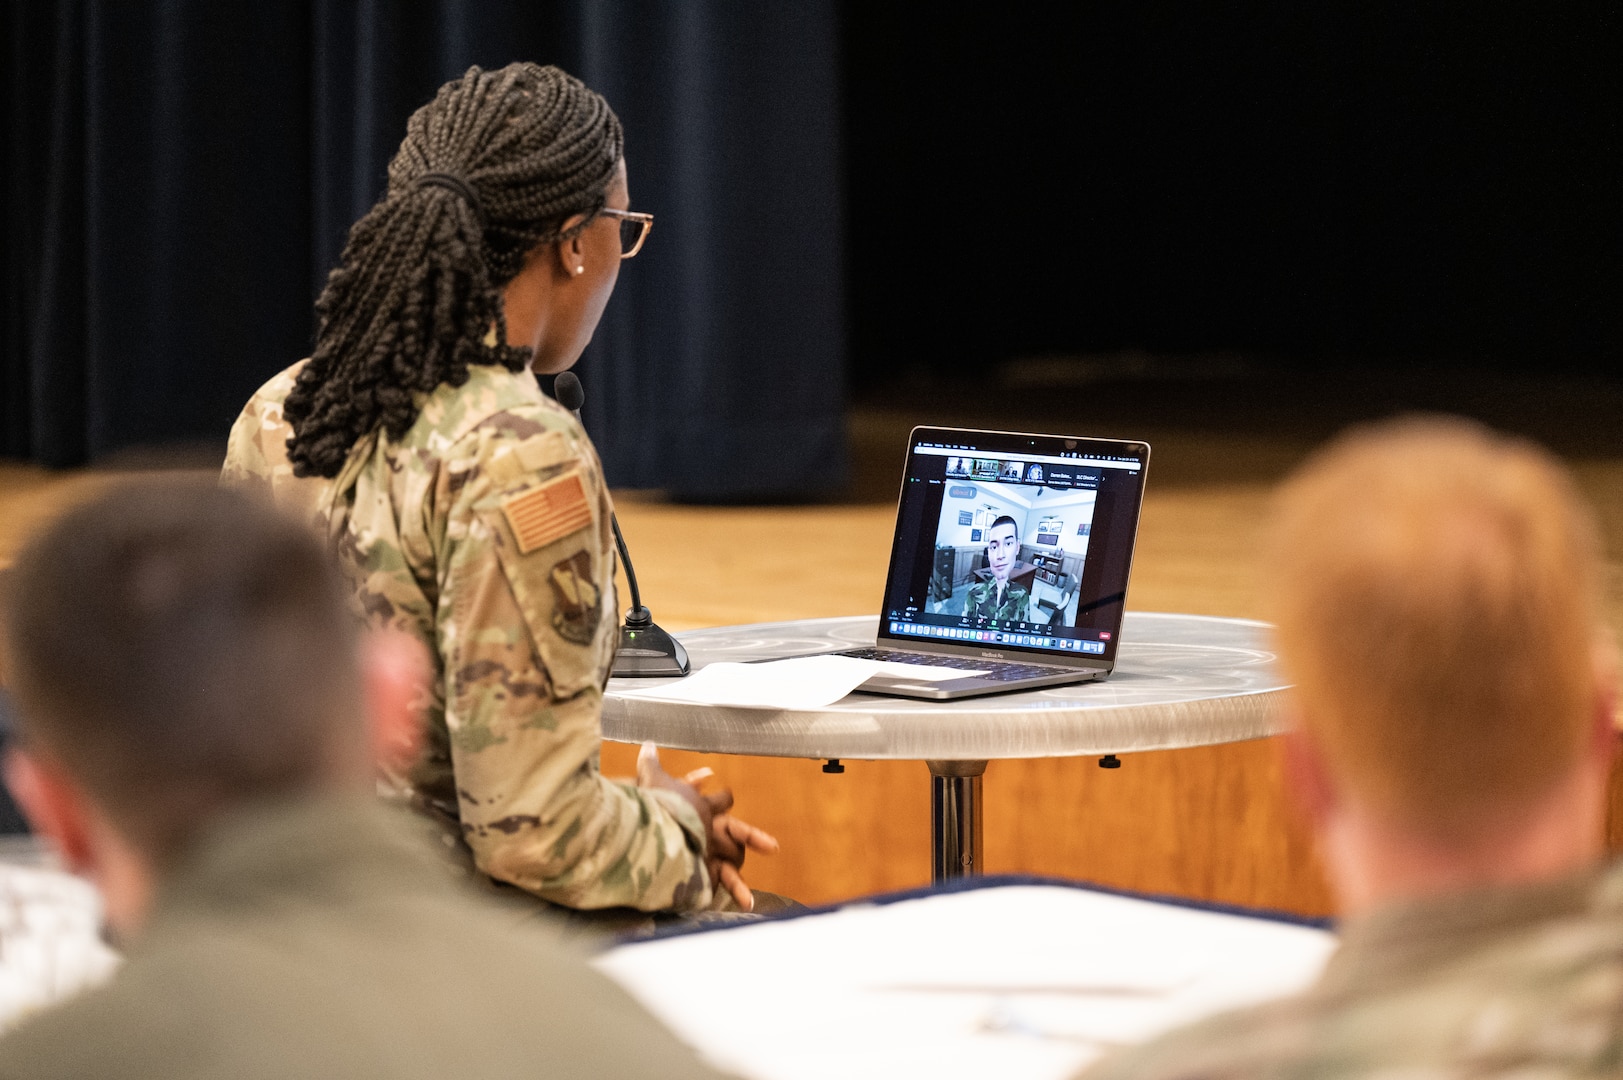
x=955 y=818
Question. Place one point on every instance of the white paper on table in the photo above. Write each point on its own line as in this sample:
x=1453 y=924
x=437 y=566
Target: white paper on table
x=1021 y=982
x=801 y=682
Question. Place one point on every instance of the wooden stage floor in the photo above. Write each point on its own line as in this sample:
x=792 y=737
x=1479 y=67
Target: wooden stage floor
x=1208 y=823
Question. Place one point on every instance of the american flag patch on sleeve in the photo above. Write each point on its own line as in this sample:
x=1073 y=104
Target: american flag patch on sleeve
x=544 y=513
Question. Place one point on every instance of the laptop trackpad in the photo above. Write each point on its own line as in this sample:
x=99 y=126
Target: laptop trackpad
x=924 y=672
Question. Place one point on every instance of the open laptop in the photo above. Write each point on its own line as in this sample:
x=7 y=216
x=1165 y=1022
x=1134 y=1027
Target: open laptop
x=1010 y=562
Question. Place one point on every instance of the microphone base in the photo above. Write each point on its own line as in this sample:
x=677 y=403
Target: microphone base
x=647 y=652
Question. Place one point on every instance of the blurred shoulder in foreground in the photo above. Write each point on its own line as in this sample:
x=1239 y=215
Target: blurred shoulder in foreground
x=198 y=720
x=1436 y=590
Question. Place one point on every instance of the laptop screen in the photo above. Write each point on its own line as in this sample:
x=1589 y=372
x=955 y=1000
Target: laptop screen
x=1015 y=542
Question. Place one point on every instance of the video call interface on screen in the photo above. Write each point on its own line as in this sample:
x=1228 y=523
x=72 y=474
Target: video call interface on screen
x=1015 y=549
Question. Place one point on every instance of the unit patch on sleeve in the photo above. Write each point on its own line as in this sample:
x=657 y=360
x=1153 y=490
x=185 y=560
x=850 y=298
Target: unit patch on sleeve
x=578 y=604
x=546 y=512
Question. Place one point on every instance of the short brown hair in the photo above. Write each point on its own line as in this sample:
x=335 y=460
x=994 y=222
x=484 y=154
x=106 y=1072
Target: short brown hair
x=178 y=647
x=1436 y=595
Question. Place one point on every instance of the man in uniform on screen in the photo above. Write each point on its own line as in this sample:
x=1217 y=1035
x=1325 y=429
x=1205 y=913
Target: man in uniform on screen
x=997 y=597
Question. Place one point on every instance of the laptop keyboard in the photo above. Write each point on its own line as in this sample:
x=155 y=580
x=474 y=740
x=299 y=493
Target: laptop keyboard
x=994 y=670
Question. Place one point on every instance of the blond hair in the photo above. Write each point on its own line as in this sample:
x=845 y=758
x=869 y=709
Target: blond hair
x=1436 y=596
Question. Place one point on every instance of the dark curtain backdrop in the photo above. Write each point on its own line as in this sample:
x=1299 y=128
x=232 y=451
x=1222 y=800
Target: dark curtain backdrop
x=180 y=175
x=1432 y=183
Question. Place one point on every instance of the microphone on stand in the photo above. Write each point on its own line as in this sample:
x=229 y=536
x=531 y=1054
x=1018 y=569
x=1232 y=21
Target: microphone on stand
x=646 y=651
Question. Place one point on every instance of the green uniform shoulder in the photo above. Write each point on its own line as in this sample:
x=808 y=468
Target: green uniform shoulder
x=324 y=940
x=1520 y=981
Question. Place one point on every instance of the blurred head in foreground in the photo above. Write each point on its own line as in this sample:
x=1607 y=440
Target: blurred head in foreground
x=1436 y=592
x=177 y=650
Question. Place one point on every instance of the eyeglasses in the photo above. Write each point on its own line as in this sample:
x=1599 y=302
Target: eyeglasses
x=634 y=229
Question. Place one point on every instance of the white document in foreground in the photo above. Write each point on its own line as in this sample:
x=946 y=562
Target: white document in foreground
x=1029 y=982
x=50 y=940
x=801 y=682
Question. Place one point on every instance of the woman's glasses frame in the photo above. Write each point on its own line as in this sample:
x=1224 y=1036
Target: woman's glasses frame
x=644 y=220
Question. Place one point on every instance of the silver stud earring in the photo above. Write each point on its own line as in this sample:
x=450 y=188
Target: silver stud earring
x=580 y=269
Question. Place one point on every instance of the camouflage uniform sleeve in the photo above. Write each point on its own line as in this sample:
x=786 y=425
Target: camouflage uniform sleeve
x=527 y=626
x=256 y=452
x=257 y=449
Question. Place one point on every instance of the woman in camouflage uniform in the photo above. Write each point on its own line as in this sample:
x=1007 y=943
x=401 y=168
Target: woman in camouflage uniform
x=468 y=508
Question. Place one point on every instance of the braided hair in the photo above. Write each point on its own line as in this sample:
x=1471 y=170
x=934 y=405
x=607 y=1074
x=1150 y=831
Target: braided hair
x=491 y=168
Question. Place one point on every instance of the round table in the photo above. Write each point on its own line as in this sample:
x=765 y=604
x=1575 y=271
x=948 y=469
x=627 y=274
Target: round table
x=1180 y=680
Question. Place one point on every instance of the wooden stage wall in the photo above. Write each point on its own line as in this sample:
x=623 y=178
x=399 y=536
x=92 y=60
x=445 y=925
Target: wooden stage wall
x=1209 y=823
